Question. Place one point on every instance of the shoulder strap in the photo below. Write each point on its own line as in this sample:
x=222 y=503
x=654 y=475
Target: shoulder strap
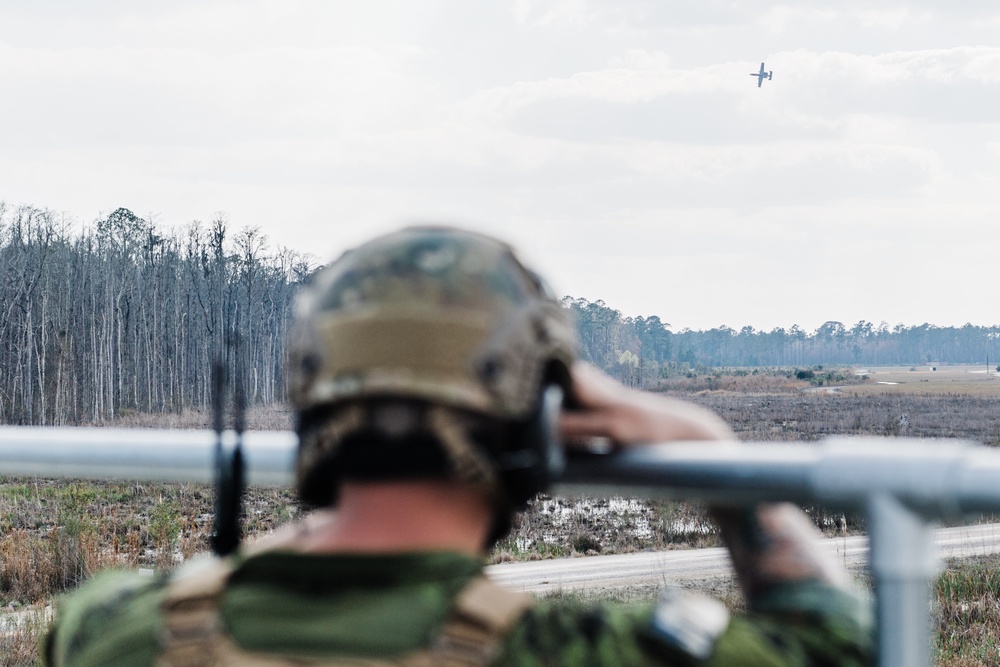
x=191 y=615
x=481 y=618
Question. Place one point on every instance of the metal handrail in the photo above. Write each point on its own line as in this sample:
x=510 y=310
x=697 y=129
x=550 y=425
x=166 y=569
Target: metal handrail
x=903 y=485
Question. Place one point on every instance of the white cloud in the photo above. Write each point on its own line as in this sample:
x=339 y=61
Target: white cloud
x=620 y=136
x=641 y=59
x=547 y=12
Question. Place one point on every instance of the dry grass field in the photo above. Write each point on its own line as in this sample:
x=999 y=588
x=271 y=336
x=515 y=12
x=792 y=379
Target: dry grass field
x=259 y=418
x=951 y=402
x=928 y=379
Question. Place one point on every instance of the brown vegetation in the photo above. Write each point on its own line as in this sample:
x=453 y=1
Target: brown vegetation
x=810 y=416
x=258 y=418
x=54 y=534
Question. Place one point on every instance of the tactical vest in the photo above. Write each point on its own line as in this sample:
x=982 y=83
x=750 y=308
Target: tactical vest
x=193 y=635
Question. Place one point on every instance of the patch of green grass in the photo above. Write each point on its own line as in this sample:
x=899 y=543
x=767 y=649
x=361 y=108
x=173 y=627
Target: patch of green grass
x=16 y=492
x=968 y=600
x=54 y=533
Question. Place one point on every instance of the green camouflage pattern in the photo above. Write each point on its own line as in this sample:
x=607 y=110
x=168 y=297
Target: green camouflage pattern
x=370 y=606
x=431 y=313
x=428 y=268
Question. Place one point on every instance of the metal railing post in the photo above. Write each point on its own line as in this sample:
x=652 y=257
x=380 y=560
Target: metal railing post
x=903 y=566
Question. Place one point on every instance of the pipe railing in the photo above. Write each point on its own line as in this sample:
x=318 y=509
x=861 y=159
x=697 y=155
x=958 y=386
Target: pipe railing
x=903 y=486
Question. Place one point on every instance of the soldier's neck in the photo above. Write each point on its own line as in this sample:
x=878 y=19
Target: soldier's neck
x=403 y=516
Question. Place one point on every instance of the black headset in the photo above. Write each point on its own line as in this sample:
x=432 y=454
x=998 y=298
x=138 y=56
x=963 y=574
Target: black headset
x=534 y=457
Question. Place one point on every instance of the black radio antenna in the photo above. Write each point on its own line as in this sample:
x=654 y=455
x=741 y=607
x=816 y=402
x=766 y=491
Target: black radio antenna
x=229 y=467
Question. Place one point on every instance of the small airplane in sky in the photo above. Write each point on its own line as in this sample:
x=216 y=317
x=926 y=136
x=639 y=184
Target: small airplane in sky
x=761 y=75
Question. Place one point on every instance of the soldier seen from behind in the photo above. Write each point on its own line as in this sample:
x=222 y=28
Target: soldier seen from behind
x=431 y=374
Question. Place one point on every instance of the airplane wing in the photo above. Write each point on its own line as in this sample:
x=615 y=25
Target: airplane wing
x=761 y=75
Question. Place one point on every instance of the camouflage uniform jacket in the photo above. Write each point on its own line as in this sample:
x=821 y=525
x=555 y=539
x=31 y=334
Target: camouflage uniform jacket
x=367 y=607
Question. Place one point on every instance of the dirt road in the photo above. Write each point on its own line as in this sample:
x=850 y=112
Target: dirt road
x=671 y=567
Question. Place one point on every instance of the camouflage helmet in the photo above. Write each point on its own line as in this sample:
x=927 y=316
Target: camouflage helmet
x=445 y=317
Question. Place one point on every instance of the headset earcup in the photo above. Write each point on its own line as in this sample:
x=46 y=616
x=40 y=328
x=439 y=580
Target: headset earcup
x=536 y=456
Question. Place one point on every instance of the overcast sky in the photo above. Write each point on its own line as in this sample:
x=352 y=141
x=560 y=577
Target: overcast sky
x=622 y=145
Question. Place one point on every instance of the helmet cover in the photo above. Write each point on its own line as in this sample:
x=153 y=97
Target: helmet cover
x=442 y=316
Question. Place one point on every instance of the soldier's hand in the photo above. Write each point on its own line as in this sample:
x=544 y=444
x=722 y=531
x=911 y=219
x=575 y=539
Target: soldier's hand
x=606 y=409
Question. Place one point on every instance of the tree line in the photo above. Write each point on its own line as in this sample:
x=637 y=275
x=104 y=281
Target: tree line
x=123 y=315
x=641 y=350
